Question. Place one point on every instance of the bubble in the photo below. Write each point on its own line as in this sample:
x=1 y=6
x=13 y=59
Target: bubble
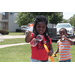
x=40 y=37
x=36 y=40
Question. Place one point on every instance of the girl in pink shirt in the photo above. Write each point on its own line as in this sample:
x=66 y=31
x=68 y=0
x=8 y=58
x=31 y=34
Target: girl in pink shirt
x=38 y=53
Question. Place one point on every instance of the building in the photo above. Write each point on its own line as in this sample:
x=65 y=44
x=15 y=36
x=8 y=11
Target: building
x=7 y=21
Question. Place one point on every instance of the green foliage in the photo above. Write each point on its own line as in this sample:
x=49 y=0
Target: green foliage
x=7 y=32
x=3 y=32
x=24 y=18
x=55 y=18
x=65 y=21
x=72 y=21
x=42 y=13
x=27 y=17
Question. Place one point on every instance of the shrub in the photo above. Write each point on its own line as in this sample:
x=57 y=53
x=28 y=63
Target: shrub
x=7 y=32
x=18 y=30
x=3 y=32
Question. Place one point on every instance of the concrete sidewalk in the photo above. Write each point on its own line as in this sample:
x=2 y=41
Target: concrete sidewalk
x=8 y=45
x=13 y=36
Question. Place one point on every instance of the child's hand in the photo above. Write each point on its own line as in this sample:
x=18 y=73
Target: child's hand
x=50 y=53
x=55 y=55
x=64 y=37
x=31 y=29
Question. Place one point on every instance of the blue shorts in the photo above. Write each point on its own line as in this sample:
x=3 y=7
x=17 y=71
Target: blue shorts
x=34 y=60
x=66 y=60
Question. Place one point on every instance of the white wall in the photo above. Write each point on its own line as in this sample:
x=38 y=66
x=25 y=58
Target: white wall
x=12 y=26
x=0 y=25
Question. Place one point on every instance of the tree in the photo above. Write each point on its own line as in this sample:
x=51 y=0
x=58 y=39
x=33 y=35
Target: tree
x=24 y=18
x=72 y=21
x=55 y=18
x=65 y=21
x=42 y=13
x=27 y=17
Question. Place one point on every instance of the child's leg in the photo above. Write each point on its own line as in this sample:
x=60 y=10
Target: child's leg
x=34 y=60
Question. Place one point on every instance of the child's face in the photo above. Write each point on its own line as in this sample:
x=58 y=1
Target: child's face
x=62 y=32
x=41 y=27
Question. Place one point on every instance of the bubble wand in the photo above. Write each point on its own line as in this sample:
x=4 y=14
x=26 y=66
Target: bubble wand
x=47 y=50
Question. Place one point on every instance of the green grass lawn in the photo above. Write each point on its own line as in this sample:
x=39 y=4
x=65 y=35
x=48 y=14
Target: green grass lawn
x=74 y=32
x=12 y=41
x=22 y=53
x=19 y=53
x=16 y=33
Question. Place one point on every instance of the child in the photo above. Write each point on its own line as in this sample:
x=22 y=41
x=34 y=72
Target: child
x=64 y=46
x=38 y=53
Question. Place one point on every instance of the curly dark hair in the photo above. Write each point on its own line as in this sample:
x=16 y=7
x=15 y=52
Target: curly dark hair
x=41 y=18
x=63 y=29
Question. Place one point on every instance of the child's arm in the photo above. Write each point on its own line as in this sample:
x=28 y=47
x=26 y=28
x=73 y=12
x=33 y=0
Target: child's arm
x=56 y=52
x=28 y=37
x=71 y=42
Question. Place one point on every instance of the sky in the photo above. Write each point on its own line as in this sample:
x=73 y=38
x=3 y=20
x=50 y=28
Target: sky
x=67 y=15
